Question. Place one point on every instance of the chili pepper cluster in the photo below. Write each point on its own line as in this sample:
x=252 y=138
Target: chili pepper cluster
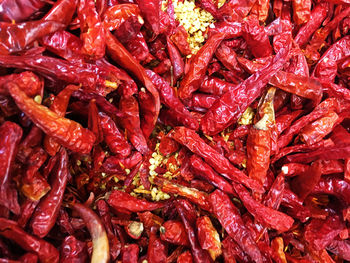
x=176 y=131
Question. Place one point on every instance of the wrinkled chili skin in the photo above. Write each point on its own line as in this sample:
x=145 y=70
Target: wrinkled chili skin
x=229 y=107
x=11 y=134
x=69 y=133
x=47 y=211
x=231 y=220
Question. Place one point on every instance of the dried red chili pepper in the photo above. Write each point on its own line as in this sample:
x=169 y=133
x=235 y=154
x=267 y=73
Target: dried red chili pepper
x=198 y=146
x=188 y=217
x=157 y=249
x=199 y=64
x=11 y=134
x=62 y=11
x=114 y=138
x=230 y=219
x=174 y=232
x=256 y=37
x=176 y=60
x=208 y=237
x=276 y=220
x=124 y=58
x=232 y=104
x=66 y=132
x=122 y=201
x=92 y=30
x=16 y=37
x=45 y=251
x=47 y=210
x=131 y=122
x=58 y=106
x=194 y=195
x=98 y=234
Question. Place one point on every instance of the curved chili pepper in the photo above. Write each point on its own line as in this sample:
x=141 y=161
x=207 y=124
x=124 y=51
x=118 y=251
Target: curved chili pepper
x=59 y=106
x=125 y=59
x=187 y=214
x=215 y=86
x=323 y=108
x=277 y=220
x=208 y=237
x=62 y=11
x=66 y=132
x=46 y=213
x=92 y=30
x=334 y=53
x=10 y=135
x=27 y=81
x=176 y=60
x=100 y=250
x=131 y=122
x=233 y=103
x=90 y=75
x=229 y=217
x=197 y=145
x=113 y=136
x=16 y=37
x=198 y=67
x=334 y=186
x=201 y=101
x=193 y=194
x=19 y=11
x=169 y=98
x=45 y=251
x=116 y=15
x=122 y=201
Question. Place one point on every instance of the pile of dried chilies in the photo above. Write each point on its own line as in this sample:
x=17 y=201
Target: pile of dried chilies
x=119 y=143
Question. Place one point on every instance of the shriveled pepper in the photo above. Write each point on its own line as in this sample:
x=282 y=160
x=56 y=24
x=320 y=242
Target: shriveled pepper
x=232 y=104
x=208 y=237
x=230 y=219
x=16 y=37
x=59 y=106
x=114 y=138
x=47 y=211
x=124 y=202
x=174 y=232
x=198 y=67
x=11 y=134
x=92 y=30
x=45 y=251
x=188 y=217
x=66 y=132
x=198 y=146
